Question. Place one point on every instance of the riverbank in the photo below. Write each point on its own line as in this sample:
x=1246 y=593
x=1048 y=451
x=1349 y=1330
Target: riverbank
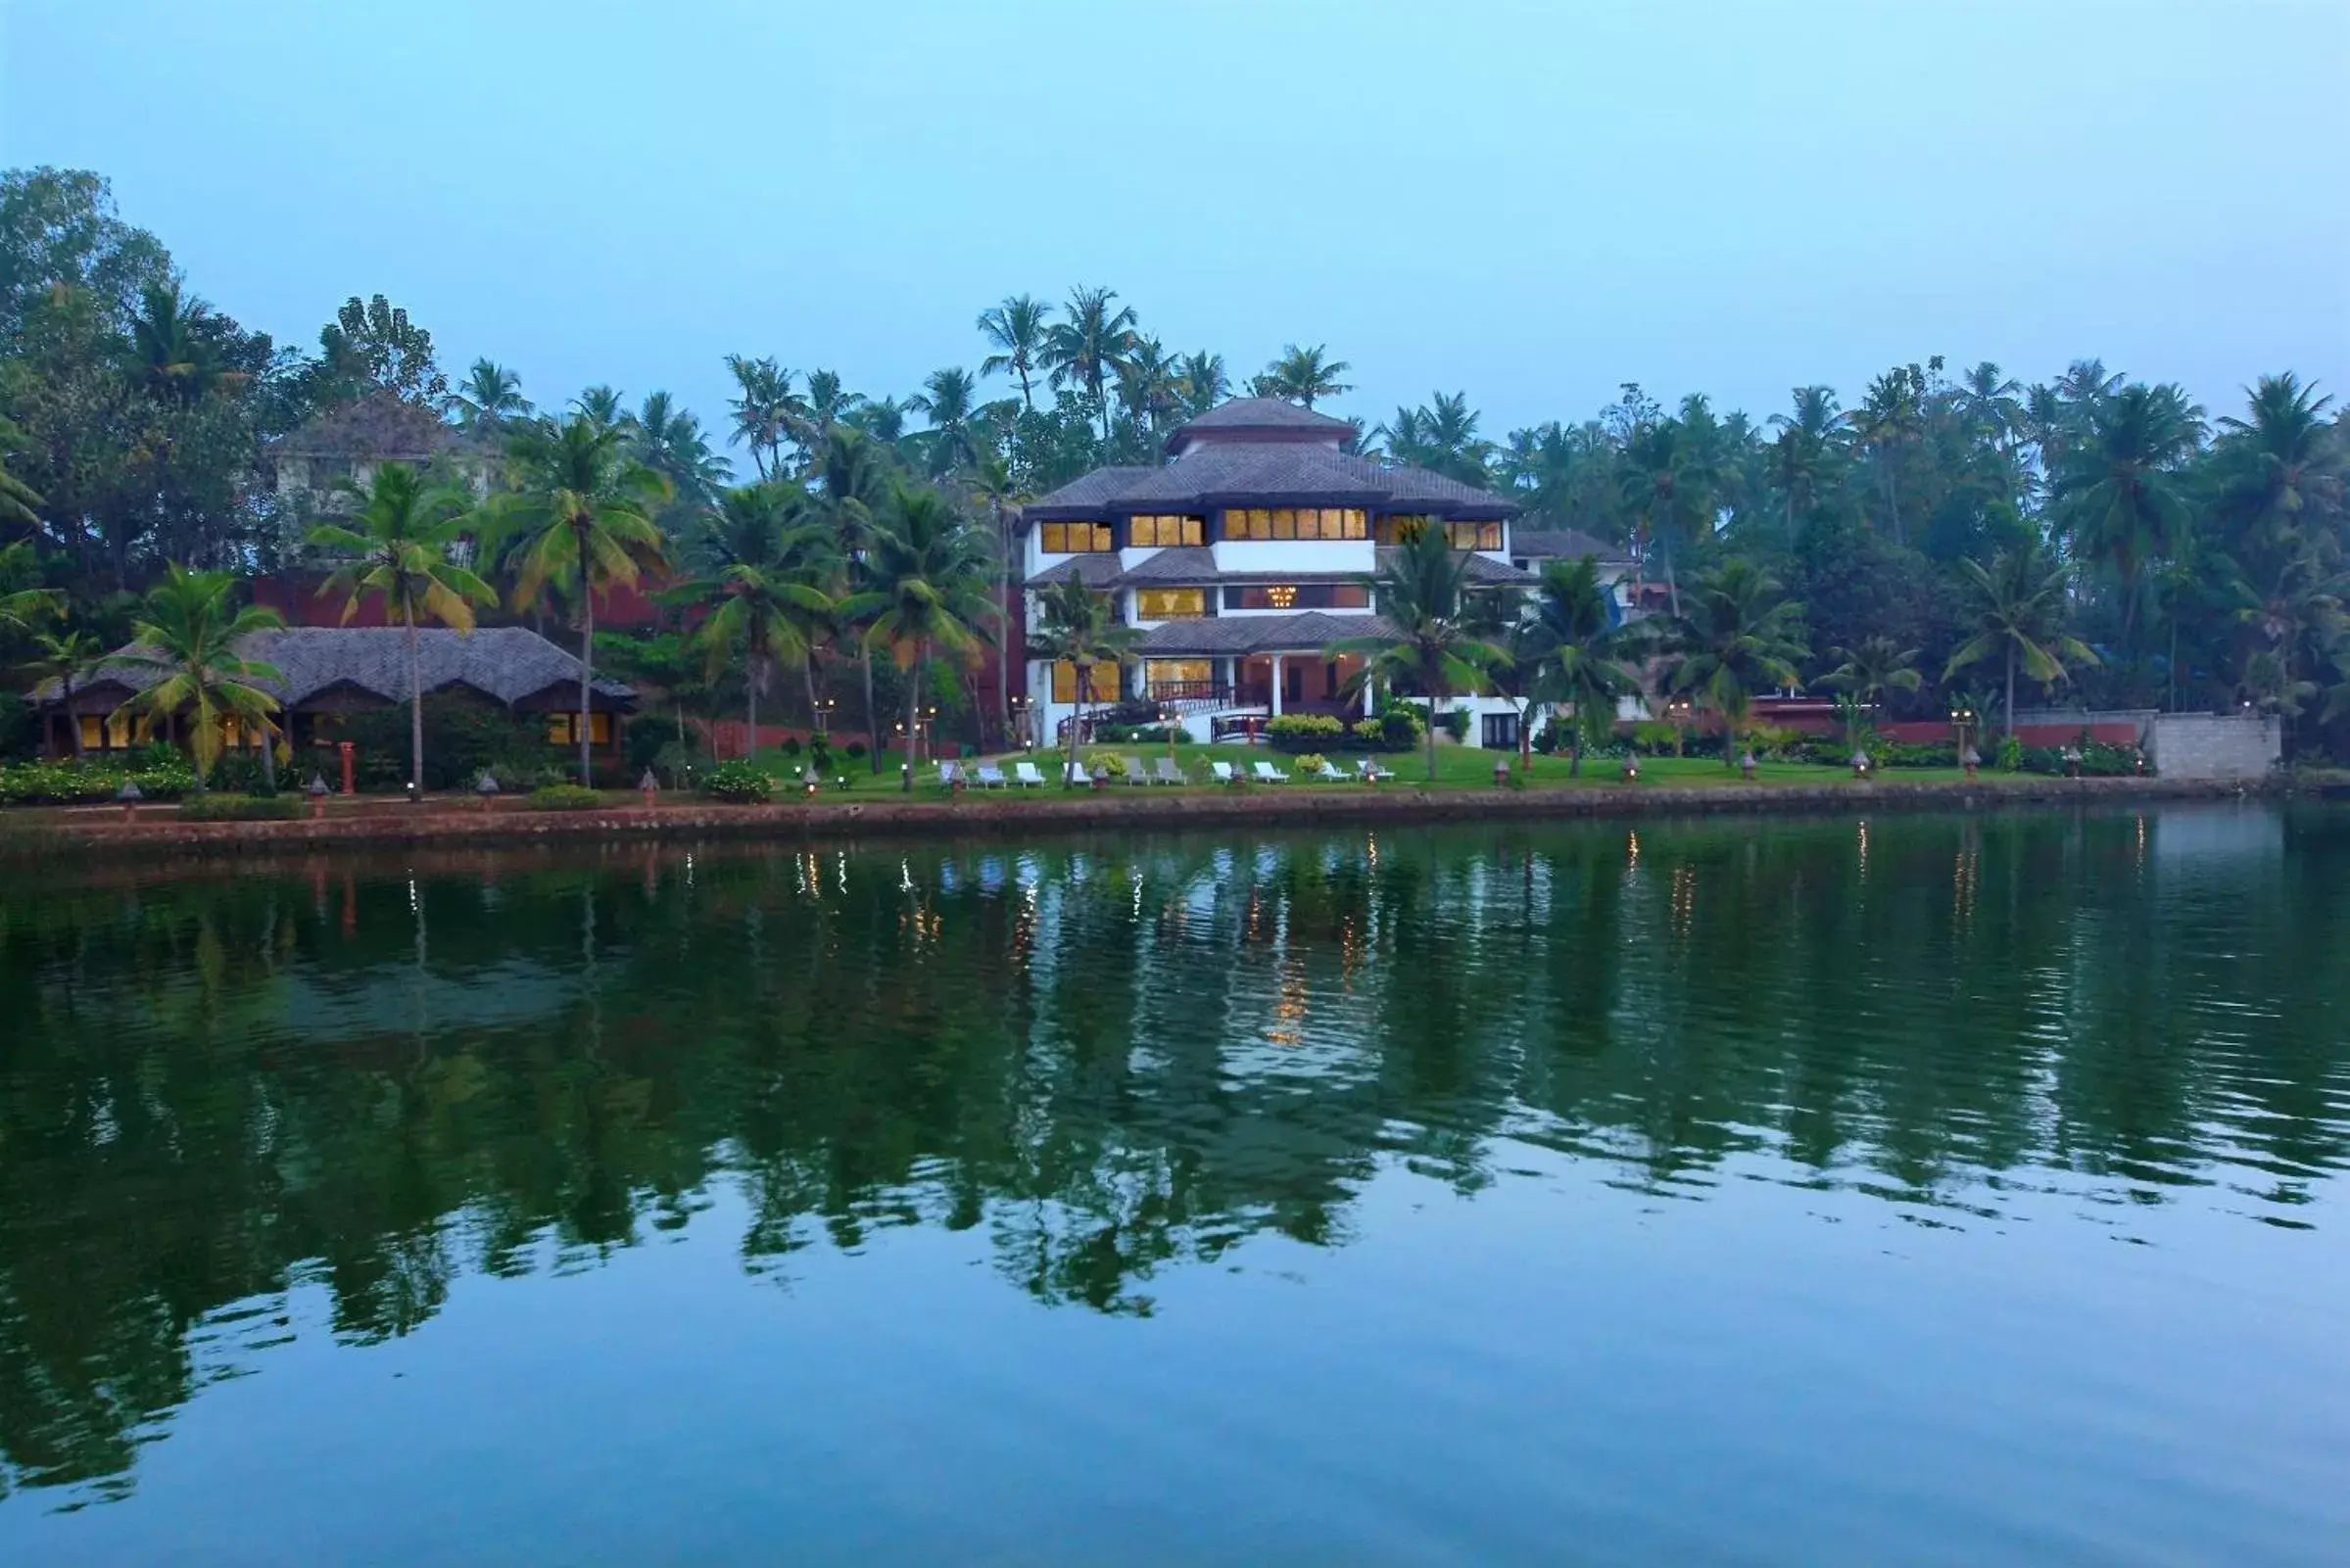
x=160 y=830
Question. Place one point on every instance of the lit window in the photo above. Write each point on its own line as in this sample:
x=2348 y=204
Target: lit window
x=1401 y=529
x=1154 y=532
x=93 y=733
x=1298 y=596
x=1103 y=687
x=1170 y=603
x=1074 y=539
x=1178 y=677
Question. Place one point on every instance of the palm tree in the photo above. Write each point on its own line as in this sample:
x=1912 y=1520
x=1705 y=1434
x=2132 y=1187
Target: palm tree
x=1576 y=652
x=992 y=485
x=1302 y=375
x=20 y=609
x=1879 y=665
x=1201 y=383
x=1804 y=449
x=846 y=489
x=1890 y=418
x=2297 y=616
x=1664 y=488
x=601 y=405
x=1424 y=606
x=2281 y=471
x=582 y=518
x=2121 y=495
x=827 y=403
x=1016 y=329
x=18 y=499
x=174 y=347
x=65 y=656
x=769 y=598
x=1089 y=346
x=946 y=398
x=1079 y=628
x=398 y=549
x=1989 y=396
x=762 y=409
x=669 y=441
x=489 y=399
x=1146 y=385
x=927 y=593
x=189 y=636
x=1741 y=636
x=2019 y=605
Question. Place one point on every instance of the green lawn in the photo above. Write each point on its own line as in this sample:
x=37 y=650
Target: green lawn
x=1456 y=768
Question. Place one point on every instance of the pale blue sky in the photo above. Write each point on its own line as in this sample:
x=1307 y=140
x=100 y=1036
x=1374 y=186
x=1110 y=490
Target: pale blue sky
x=1529 y=202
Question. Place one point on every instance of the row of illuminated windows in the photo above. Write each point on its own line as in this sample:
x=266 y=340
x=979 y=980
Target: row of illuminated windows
x=116 y=732
x=1306 y=522
x=1185 y=603
x=1461 y=534
x=1253 y=523
x=562 y=729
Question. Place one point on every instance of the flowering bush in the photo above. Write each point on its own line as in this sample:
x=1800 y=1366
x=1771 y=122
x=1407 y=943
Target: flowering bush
x=1300 y=732
x=740 y=782
x=160 y=776
x=1312 y=762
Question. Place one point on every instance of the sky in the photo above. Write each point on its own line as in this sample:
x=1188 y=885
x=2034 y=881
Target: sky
x=1531 y=202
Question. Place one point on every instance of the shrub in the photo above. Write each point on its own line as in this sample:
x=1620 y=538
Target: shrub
x=740 y=782
x=1456 y=723
x=241 y=773
x=790 y=746
x=463 y=736
x=161 y=774
x=233 y=807
x=1312 y=762
x=820 y=752
x=1654 y=735
x=1401 y=730
x=2011 y=753
x=1111 y=763
x=856 y=751
x=1296 y=733
x=563 y=797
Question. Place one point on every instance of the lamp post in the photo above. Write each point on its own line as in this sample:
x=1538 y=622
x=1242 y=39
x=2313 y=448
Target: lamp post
x=130 y=795
x=1024 y=720
x=317 y=793
x=650 y=789
x=1676 y=713
x=486 y=786
x=1166 y=722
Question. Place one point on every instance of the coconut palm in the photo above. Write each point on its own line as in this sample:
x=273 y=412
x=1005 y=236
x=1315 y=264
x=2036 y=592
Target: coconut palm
x=846 y=489
x=1989 y=396
x=1424 y=638
x=2121 y=495
x=583 y=524
x=826 y=404
x=1302 y=375
x=2019 y=610
x=1147 y=386
x=18 y=499
x=1088 y=346
x=927 y=575
x=489 y=400
x=397 y=549
x=1079 y=628
x=189 y=637
x=1868 y=672
x=2282 y=473
x=1575 y=652
x=1201 y=383
x=1891 y=418
x=1741 y=636
x=65 y=656
x=1803 y=454
x=992 y=485
x=1016 y=329
x=762 y=409
x=770 y=600
x=947 y=399
x=174 y=345
x=669 y=441
x=1665 y=488
x=19 y=610
x=600 y=404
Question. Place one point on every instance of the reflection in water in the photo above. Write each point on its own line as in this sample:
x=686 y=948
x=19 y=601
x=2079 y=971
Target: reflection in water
x=1110 y=1057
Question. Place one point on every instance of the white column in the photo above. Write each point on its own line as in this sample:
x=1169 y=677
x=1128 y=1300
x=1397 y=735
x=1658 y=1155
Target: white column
x=1369 y=694
x=1277 y=686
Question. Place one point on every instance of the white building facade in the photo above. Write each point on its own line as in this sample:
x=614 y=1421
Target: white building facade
x=1245 y=557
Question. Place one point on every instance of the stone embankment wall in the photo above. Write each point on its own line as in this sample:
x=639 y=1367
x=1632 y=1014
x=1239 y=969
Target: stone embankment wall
x=2214 y=746
x=102 y=834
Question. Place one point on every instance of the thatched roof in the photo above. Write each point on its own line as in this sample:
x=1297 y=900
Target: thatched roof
x=1563 y=544
x=379 y=427
x=507 y=664
x=1268 y=473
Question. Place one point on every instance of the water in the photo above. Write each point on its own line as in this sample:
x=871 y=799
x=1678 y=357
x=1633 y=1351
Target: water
x=1920 y=1189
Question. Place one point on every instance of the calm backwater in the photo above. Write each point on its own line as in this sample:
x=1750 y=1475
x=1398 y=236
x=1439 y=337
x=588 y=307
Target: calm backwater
x=1923 y=1190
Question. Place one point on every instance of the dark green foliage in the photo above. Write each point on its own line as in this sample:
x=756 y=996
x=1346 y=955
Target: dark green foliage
x=740 y=782
x=462 y=737
x=563 y=797
x=73 y=784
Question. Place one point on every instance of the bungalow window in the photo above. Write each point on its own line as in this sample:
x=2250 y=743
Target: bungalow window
x=1104 y=686
x=1170 y=603
x=1286 y=522
x=1152 y=532
x=1401 y=529
x=1178 y=677
x=562 y=729
x=1074 y=539
x=1475 y=536
x=1298 y=596
x=93 y=733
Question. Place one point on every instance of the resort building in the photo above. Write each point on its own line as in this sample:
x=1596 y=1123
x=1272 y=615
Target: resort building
x=330 y=673
x=1244 y=557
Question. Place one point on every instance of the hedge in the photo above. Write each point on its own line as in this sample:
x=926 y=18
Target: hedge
x=159 y=772
x=239 y=808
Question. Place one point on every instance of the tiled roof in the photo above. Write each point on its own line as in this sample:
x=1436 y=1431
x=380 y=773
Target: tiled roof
x=1181 y=563
x=1307 y=631
x=377 y=426
x=1268 y=473
x=1270 y=415
x=1481 y=569
x=1563 y=545
x=506 y=662
x=1097 y=570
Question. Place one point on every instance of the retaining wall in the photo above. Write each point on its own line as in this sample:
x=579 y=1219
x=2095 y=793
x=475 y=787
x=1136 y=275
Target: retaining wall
x=2215 y=747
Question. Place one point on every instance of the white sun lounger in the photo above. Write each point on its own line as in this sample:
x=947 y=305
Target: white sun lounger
x=1024 y=774
x=1266 y=773
x=989 y=776
x=1220 y=772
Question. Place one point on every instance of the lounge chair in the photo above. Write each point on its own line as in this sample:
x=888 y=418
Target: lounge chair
x=1136 y=774
x=1221 y=773
x=1266 y=773
x=1024 y=774
x=1371 y=772
x=949 y=774
x=1163 y=771
x=1076 y=775
x=989 y=776
x=1328 y=774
